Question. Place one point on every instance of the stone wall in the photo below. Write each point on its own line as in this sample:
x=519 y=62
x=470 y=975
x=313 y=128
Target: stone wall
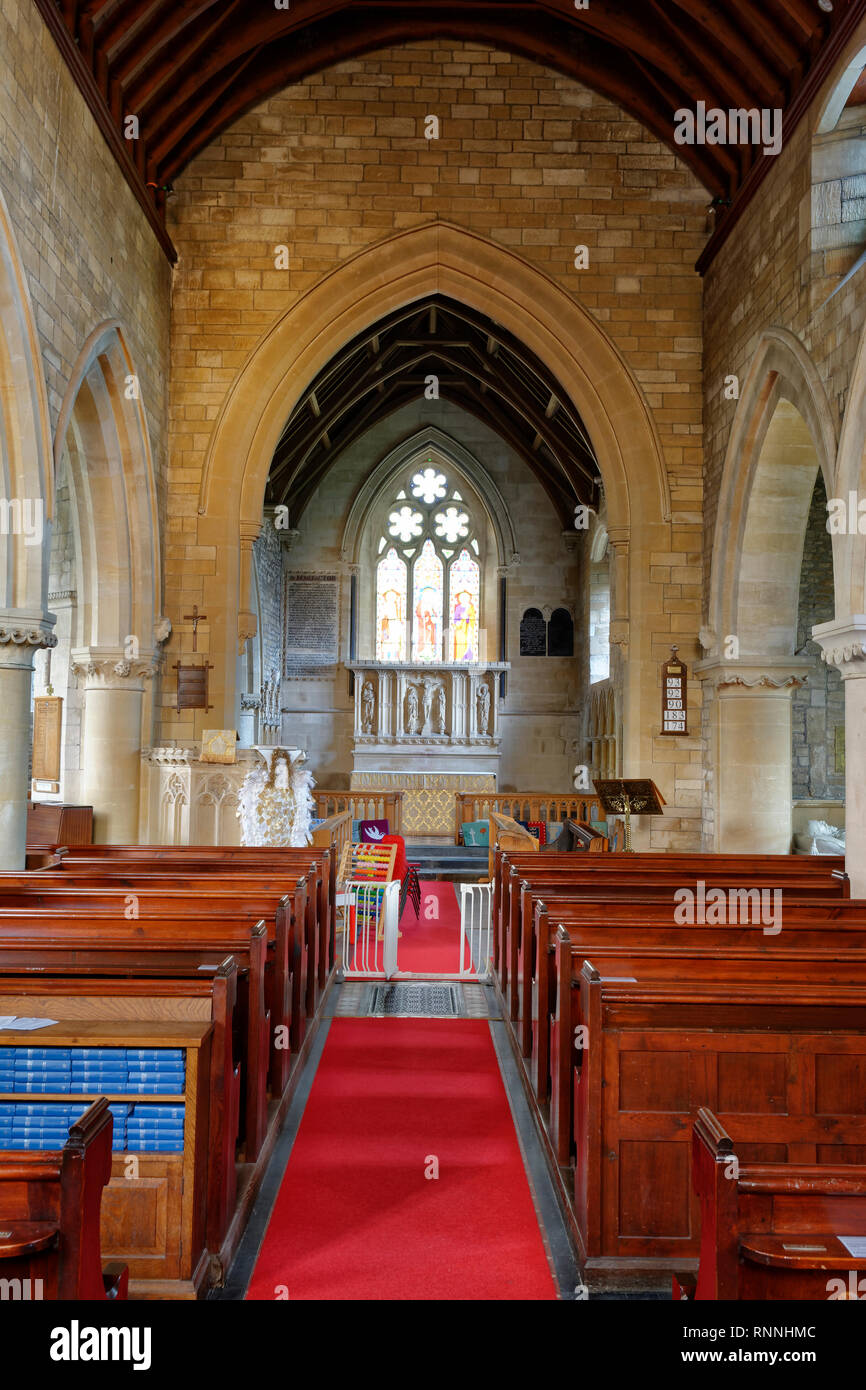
x=86 y=246
x=526 y=158
x=818 y=708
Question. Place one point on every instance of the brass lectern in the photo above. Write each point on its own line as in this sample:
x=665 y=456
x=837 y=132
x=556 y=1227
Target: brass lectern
x=630 y=797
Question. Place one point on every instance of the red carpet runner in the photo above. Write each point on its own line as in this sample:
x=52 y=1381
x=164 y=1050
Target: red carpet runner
x=356 y=1218
x=430 y=944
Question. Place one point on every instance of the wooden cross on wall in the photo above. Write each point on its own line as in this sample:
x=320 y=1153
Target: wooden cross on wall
x=195 y=618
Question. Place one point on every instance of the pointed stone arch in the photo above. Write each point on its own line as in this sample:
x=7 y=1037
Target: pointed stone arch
x=411 y=264
x=102 y=449
x=781 y=372
x=465 y=465
x=26 y=496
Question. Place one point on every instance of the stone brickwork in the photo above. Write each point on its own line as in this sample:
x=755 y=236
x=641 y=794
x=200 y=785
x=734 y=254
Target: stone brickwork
x=87 y=249
x=818 y=707
x=762 y=278
x=525 y=158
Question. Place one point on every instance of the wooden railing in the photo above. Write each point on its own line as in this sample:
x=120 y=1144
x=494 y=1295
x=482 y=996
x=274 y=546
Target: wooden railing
x=370 y=804
x=335 y=832
x=543 y=806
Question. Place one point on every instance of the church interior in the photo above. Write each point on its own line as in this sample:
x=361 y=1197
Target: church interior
x=432 y=651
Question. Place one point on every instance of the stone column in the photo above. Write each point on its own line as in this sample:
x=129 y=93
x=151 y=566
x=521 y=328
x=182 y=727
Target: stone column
x=750 y=753
x=21 y=636
x=843 y=645
x=111 y=740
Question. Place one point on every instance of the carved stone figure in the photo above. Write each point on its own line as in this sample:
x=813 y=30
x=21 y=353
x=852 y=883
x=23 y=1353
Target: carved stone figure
x=439 y=711
x=368 y=707
x=412 y=710
x=427 y=703
x=483 y=703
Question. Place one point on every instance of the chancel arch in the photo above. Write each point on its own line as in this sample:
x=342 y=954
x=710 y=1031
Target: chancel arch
x=534 y=310
x=106 y=577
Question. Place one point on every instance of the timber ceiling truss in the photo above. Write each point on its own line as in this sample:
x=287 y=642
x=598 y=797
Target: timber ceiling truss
x=475 y=364
x=187 y=69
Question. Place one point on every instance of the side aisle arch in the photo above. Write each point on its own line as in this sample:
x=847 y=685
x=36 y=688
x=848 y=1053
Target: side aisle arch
x=26 y=482
x=782 y=437
x=104 y=465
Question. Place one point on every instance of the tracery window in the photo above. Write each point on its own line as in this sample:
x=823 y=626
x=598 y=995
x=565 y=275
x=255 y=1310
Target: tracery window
x=430 y=549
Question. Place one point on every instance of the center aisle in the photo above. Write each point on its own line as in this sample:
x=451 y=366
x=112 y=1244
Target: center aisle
x=357 y=1217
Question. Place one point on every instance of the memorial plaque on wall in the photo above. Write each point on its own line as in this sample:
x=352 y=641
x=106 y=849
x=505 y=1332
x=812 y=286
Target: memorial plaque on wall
x=47 y=724
x=311 y=624
x=674 y=694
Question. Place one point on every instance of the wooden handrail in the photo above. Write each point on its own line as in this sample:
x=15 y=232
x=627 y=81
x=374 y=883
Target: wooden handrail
x=371 y=803
x=529 y=806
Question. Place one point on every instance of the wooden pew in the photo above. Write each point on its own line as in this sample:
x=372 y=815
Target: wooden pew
x=290 y=917
x=121 y=992
x=703 y=955
x=661 y=887
x=50 y=1215
x=83 y=939
x=808 y=924
x=781 y=1065
x=328 y=841
x=772 y=1230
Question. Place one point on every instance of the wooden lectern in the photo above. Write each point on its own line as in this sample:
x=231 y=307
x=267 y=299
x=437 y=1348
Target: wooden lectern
x=630 y=797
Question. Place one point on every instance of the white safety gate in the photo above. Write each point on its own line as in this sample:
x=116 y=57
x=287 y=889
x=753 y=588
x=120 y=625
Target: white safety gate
x=371 y=916
x=476 y=938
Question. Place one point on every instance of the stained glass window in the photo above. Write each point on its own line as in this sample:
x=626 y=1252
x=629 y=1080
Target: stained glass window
x=452 y=525
x=464 y=597
x=405 y=524
x=391 y=608
x=429 y=486
x=427 y=604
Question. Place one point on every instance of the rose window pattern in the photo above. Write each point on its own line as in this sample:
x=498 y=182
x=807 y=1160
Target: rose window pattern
x=428 y=578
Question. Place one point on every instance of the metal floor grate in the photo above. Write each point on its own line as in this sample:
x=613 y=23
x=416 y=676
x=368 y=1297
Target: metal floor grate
x=415 y=1001
x=363 y=1000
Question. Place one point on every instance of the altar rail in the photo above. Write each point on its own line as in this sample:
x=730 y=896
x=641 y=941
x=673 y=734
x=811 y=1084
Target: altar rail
x=526 y=806
x=370 y=804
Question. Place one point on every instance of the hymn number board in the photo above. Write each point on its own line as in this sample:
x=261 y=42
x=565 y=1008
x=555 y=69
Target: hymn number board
x=674 y=692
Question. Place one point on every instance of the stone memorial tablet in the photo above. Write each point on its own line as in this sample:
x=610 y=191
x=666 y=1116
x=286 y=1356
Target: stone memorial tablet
x=311 y=623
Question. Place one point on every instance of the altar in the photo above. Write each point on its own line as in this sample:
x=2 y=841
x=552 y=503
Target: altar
x=429 y=729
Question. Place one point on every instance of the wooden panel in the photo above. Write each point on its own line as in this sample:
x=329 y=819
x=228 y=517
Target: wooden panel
x=651 y=1082
x=141 y=1216
x=752 y=1083
x=840 y=1085
x=653 y=1190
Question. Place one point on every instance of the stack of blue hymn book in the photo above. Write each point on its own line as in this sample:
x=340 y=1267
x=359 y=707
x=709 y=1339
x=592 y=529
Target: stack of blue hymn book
x=92 y=1072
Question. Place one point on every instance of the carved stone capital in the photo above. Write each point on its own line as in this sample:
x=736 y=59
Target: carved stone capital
x=22 y=635
x=771 y=676
x=161 y=631
x=248 y=626
x=843 y=645
x=113 y=670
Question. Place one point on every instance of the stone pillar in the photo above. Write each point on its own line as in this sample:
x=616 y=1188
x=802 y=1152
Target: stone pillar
x=111 y=740
x=750 y=753
x=21 y=636
x=843 y=645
